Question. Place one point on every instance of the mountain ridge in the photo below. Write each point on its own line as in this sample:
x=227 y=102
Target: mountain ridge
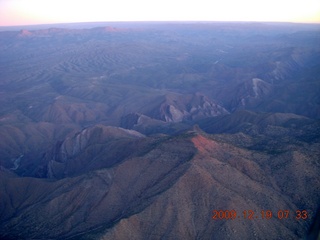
x=209 y=163
x=160 y=130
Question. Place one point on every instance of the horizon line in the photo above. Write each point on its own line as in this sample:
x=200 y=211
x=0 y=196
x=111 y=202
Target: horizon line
x=156 y=21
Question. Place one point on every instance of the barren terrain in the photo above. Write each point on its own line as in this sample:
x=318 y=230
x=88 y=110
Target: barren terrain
x=144 y=130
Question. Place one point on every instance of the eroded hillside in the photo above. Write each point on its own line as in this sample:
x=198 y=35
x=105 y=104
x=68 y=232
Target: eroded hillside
x=148 y=130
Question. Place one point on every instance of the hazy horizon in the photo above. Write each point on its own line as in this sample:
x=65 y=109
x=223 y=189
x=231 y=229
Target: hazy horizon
x=36 y=12
x=120 y=24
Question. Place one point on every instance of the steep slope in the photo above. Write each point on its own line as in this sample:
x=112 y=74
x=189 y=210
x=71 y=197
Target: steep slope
x=93 y=148
x=222 y=177
x=23 y=145
x=170 y=191
x=91 y=201
x=179 y=107
x=249 y=94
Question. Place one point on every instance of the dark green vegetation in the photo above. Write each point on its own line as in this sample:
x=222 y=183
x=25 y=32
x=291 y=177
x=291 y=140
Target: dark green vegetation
x=140 y=130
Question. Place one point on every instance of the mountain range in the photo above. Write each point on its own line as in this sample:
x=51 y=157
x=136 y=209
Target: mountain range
x=151 y=130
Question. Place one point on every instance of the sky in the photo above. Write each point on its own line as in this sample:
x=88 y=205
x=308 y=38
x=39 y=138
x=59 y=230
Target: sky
x=29 y=12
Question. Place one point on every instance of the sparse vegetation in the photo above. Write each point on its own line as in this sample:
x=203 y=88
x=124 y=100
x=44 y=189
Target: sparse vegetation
x=141 y=131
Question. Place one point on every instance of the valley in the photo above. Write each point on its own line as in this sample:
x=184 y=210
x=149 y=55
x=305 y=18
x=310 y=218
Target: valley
x=141 y=130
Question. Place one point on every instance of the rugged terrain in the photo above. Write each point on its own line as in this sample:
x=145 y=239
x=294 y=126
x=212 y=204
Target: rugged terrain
x=142 y=130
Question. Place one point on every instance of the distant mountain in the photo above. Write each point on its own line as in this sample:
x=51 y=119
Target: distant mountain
x=64 y=31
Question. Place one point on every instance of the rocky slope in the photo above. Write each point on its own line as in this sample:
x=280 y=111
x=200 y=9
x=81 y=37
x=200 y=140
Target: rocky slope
x=170 y=191
x=156 y=130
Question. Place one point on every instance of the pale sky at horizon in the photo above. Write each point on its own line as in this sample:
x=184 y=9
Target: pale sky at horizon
x=29 y=12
